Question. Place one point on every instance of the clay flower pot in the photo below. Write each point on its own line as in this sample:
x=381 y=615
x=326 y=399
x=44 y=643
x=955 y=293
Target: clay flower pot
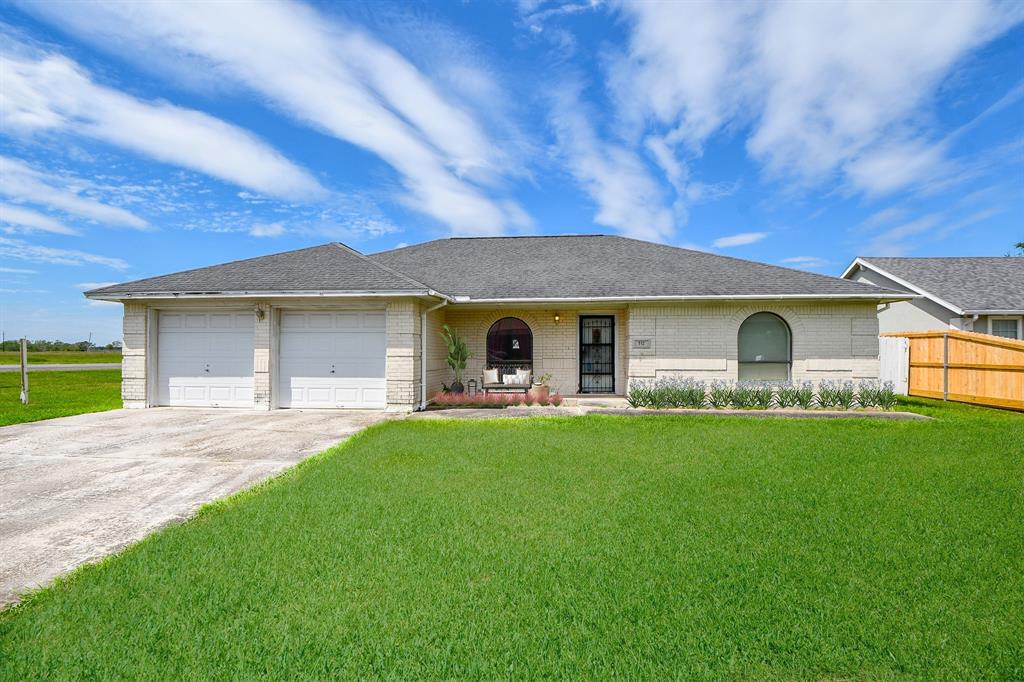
x=538 y=392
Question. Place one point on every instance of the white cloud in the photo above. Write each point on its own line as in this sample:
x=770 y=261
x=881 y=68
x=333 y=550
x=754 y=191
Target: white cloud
x=741 y=239
x=86 y=286
x=21 y=250
x=50 y=92
x=20 y=219
x=266 y=230
x=628 y=198
x=806 y=262
x=24 y=183
x=19 y=271
x=826 y=88
x=326 y=75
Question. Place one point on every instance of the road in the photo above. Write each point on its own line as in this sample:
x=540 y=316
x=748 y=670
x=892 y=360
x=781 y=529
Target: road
x=63 y=367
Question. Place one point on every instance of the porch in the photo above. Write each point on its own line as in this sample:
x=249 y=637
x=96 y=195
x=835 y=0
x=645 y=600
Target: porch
x=581 y=352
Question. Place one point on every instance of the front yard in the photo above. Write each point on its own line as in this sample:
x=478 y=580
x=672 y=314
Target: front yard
x=658 y=547
x=58 y=394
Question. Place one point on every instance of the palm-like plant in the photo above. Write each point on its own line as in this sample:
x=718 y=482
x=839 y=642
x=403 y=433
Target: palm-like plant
x=458 y=354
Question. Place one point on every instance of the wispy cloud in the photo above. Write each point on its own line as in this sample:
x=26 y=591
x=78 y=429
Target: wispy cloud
x=19 y=271
x=267 y=230
x=22 y=250
x=329 y=76
x=51 y=92
x=827 y=89
x=20 y=219
x=806 y=262
x=21 y=182
x=628 y=198
x=741 y=239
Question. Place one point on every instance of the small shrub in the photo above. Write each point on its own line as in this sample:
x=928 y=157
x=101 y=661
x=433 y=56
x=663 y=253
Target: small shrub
x=528 y=399
x=805 y=395
x=719 y=394
x=556 y=399
x=762 y=395
x=544 y=401
x=846 y=395
x=743 y=395
x=833 y=394
x=869 y=393
x=787 y=395
x=887 y=396
x=639 y=394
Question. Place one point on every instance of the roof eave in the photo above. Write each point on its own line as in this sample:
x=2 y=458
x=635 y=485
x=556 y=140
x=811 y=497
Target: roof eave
x=319 y=293
x=860 y=262
x=881 y=297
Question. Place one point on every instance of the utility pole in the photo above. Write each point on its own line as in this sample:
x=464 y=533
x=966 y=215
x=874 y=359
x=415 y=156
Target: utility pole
x=24 y=371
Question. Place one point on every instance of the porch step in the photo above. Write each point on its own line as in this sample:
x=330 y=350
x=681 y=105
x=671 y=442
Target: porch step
x=616 y=401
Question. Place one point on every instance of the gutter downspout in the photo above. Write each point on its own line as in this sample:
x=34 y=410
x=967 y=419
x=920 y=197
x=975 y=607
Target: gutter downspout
x=423 y=351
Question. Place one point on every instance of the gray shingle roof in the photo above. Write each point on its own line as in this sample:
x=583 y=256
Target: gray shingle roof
x=584 y=266
x=329 y=267
x=598 y=266
x=971 y=283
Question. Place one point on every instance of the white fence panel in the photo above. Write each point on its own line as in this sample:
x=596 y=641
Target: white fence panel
x=894 y=358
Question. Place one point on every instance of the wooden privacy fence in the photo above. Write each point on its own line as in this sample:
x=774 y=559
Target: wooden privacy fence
x=966 y=367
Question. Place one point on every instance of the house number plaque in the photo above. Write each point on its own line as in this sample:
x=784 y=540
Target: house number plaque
x=641 y=344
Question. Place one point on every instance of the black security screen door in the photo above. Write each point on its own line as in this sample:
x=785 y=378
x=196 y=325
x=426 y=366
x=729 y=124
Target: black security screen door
x=597 y=354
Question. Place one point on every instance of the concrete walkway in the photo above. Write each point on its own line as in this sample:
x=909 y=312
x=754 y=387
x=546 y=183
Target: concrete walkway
x=75 y=489
x=63 y=367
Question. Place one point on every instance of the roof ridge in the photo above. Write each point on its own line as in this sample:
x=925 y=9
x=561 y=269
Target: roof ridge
x=385 y=268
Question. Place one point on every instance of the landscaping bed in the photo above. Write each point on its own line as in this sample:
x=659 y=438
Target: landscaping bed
x=761 y=395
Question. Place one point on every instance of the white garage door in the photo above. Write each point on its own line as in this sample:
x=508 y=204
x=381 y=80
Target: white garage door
x=332 y=359
x=205 y=359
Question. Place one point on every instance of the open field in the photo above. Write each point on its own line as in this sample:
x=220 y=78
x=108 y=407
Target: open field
x=62 y=357
x=58 y=394
x=591 y=547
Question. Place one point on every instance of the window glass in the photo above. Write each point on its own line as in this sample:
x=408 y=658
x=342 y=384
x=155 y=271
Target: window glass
x=1005 y=328
x=764 y=348
x=509 y=340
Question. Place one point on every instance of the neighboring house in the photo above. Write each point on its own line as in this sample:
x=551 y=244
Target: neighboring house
x=980 y=294
x=327 y=326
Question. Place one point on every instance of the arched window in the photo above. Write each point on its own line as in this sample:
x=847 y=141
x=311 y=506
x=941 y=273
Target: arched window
x=509 y=342
x=764 y=348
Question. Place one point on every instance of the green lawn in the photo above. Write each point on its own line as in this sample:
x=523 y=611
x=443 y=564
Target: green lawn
x=60 y=357
x=58 y=394
x=592 y=547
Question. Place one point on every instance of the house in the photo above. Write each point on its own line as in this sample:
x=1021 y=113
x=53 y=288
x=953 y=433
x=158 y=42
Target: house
x=328 y=326
x=980 y=294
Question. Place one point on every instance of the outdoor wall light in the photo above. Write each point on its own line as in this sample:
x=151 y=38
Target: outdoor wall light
x=557 y=318
x=260 y=313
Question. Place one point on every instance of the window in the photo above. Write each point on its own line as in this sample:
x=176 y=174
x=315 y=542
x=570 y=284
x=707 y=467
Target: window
x=509 y=342
x=1007 y=327
x=764 y=348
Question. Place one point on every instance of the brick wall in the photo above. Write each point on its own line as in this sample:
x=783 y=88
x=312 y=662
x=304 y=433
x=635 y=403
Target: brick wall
x=133 y=356
x=403 y=354
x=830 y=340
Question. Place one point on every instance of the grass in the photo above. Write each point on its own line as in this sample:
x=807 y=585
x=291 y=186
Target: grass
x=58 y=394
x=70 y=357
x=593 y=547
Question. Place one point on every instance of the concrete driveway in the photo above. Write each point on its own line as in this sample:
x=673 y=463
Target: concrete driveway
x=75 y=489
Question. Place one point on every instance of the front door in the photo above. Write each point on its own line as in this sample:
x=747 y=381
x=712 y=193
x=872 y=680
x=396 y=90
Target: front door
x=597 y=354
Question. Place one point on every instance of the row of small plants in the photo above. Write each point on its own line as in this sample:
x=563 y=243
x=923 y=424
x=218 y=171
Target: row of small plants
x=495 y=400
x=761 y=395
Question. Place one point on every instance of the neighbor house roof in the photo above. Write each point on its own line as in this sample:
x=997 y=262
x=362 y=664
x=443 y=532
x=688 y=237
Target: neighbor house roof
x=504 y=268
x=979 y=284
x=329 y=268
x=600 y=266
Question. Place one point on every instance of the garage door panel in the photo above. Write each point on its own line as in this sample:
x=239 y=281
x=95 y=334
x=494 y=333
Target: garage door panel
x=205 y=359
x=331 y=359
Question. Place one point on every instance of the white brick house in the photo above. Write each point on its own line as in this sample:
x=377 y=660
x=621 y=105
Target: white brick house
x=328 y=327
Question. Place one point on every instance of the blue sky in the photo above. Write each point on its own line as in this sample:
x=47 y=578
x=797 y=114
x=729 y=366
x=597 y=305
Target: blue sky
x=144 y=138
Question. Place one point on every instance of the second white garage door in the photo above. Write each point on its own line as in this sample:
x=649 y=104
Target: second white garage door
x=332 y=359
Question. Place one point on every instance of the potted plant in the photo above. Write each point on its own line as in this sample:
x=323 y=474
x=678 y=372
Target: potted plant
x=540 y=389
x=458 y=353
